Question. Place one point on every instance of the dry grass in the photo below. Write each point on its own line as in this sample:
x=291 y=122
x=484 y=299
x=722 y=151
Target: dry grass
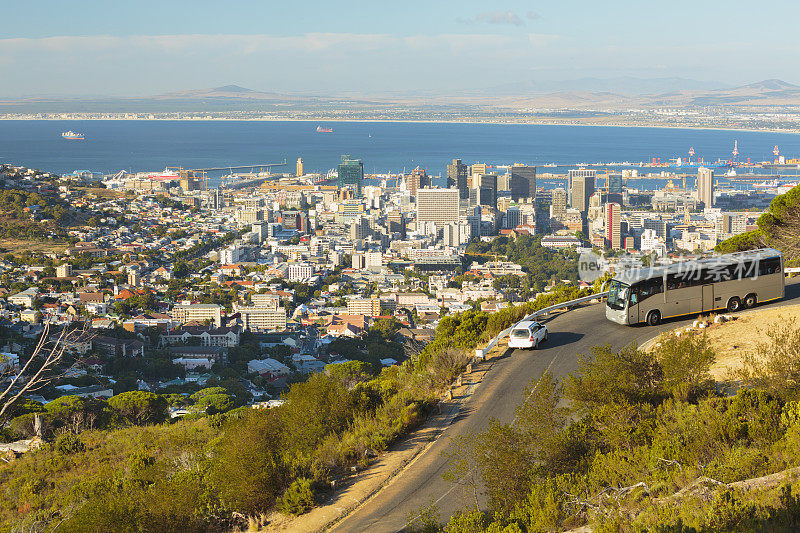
x=100 y=193
x=732 y=340
x=16 y=246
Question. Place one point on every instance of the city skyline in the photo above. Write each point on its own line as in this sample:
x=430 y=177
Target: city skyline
x=90 y=48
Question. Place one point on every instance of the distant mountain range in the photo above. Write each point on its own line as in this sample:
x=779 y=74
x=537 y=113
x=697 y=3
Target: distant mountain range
x=618 y=85
x=584 y=93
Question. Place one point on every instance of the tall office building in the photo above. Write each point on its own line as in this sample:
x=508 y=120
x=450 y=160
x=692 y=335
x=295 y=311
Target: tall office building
x=615 y=183
x=577 y=173
x=396 y=223
x=457 y=174
x=299 y=171
x=482 y=196
x=582 y=190
x=705 y=186
x=418 y=179
x=522 y=182
x=351 y=172
x=595 y=207
x=613 y=223
x=439 y=206
x=489 y=182
x=474 y=170
x=559 y=205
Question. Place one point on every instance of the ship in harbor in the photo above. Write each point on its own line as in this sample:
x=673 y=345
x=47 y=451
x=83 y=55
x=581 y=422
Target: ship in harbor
x=73 y=136
x=323 y=129
x=766 y=184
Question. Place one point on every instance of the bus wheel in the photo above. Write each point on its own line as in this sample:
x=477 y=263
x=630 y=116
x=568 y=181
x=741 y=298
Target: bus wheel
x=734 y=304
x=750 y=300
x=653 y=318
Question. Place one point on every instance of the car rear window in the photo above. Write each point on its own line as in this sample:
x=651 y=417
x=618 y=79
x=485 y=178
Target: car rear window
x=519 y=333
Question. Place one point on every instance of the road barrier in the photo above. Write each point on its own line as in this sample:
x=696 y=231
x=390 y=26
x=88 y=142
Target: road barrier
x=480 y=353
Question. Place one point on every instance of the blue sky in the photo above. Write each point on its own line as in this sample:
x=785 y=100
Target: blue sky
x=148 y=47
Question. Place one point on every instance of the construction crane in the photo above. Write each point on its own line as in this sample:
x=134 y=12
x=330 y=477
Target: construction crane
x=691 y=153
x=735 y=152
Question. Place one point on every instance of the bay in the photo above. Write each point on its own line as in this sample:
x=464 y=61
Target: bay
x=141 y=145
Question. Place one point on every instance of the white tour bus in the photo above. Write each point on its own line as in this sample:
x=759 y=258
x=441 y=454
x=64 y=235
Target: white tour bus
x=726 y=282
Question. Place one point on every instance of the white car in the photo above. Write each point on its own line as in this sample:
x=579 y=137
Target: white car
x=527 y=334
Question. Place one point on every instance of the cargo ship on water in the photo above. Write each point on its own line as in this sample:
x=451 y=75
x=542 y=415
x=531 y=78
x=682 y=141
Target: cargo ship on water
x=323 y=129
x=72 y=136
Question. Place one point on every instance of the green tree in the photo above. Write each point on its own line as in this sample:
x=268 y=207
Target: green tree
x=628 y=375
x=387 y=327
x=140 y=407
x=216 y=403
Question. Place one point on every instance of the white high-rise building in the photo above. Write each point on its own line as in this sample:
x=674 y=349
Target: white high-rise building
x=650 y=241
x=373 y=259
x=300 y=271
x=705 y=186
x=439 y=206
x=229 y=255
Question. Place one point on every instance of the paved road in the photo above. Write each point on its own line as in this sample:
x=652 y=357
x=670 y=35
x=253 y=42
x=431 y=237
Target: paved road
x=571 y=334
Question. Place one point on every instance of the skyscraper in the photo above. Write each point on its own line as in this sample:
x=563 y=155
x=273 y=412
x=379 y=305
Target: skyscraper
x=457 y=177
x=299 y=171
x=418 y=179
x=439 y=206
x=705 y=186
x=488 y=182
x=615 y=183
x=613 y=226
x=351 y=172
x=582 y=190
x=522 y=182
x=559 y=205
x=477 y=168
x=572 y=174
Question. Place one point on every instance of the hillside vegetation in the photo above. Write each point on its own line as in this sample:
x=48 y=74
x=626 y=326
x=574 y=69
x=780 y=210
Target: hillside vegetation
x=640 y=441
x=779 y=228
x=118 y=466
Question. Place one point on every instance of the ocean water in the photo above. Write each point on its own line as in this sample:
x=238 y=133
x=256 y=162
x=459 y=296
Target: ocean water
x=111 y=146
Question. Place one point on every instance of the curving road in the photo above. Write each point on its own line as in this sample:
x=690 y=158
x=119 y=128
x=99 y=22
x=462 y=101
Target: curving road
x=420 y=484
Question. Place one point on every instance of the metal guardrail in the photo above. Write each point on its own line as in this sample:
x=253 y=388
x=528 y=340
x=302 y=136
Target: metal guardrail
x=480 y=353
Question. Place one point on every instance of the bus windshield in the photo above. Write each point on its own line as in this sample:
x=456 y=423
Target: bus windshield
x=617 y=295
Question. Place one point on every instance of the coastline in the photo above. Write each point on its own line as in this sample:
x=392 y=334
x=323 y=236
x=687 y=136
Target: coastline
x=409 y=121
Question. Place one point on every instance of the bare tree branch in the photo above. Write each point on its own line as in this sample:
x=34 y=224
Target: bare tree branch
x=46 y=357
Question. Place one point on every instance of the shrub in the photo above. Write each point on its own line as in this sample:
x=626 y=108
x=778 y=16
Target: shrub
x=727 y=512
x=298 y=498
x=67 y=444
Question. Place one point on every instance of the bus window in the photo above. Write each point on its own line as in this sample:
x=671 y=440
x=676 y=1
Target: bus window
x=745 y=269
x=617 y=295
x=769 y=266
x=676 y=281
x=647 y=288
